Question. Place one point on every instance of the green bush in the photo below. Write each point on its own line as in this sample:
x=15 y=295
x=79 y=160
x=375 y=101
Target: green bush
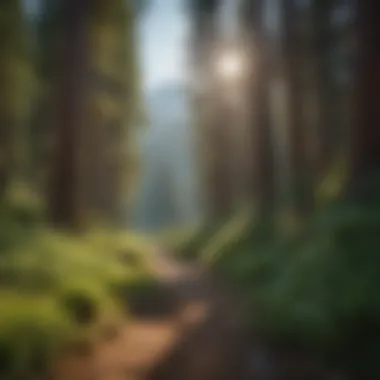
x=32 y=330
x=316 y=289
x=55 y=289
x=81 y=308
x=20 y=214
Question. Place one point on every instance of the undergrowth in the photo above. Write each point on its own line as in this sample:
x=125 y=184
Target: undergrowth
x=56 y=289
x=316 y=290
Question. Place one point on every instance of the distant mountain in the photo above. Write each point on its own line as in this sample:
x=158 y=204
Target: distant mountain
x=168 y=102
x=166 y=152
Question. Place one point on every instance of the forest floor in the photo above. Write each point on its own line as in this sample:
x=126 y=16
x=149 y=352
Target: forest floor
x=199 y=334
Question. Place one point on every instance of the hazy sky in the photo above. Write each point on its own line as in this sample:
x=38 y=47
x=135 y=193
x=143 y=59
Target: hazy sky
x=163 y=39
x=163 y=32
x=163 y=35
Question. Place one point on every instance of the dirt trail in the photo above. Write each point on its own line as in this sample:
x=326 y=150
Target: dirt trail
x=201 y=338
x=200 y=334
x=213 y=344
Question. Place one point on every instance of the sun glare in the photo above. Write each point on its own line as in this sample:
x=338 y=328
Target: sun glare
x=230 y=66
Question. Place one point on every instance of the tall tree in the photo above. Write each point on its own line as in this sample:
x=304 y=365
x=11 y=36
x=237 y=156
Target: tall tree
x=210 y=113
x=16 y=77
x=320 y=105
x=72 y=52
x=115 y=107
x=46 y=29
x=330 y=86
x=299 y=195
x=97 y=101
x=366 y=132
x=261 y=139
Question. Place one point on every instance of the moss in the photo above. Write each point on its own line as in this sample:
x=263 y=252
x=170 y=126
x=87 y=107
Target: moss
x=56 y=288
x=82 y=308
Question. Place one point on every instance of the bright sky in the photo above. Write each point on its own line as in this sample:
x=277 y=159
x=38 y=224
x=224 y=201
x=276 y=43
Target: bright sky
x=163 y=34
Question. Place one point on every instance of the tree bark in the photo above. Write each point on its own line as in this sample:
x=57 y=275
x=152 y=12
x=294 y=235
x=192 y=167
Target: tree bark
x=261 y=137
x=70 y=107
x=6 y=154
x=300 y=194
x=326 y=106
x=205 y=35
x=366 y=130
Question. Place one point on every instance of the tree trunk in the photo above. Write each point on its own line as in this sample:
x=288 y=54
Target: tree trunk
x=6 y=154
x=366 y=131
x=205 y=36
x=261 y=138
x=324 y=103
x=15 y=94
x=299 y=193
x=70 y=107
x=221 y=186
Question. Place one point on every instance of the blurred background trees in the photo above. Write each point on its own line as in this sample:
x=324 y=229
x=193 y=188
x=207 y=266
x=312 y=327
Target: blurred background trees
x=71 y=102
x=101 y=105
x=17 y=78
x=282 y=98
x=296 y=98
x=312 y=147
x=70 y=106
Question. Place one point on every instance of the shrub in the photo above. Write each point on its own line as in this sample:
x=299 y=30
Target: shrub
x=55 y=289
x=32 y=331
x=317 y=289
x=81 y=307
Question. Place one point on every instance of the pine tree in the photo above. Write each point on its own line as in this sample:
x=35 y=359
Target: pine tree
x=16 y=78
x=299 y=196
x=97 y=101
x=365 y=161
x=261 y=135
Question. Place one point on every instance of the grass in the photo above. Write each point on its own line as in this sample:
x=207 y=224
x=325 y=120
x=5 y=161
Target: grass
x=57 y=289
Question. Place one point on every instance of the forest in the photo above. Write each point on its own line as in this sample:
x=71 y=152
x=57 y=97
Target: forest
x=277 y=277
